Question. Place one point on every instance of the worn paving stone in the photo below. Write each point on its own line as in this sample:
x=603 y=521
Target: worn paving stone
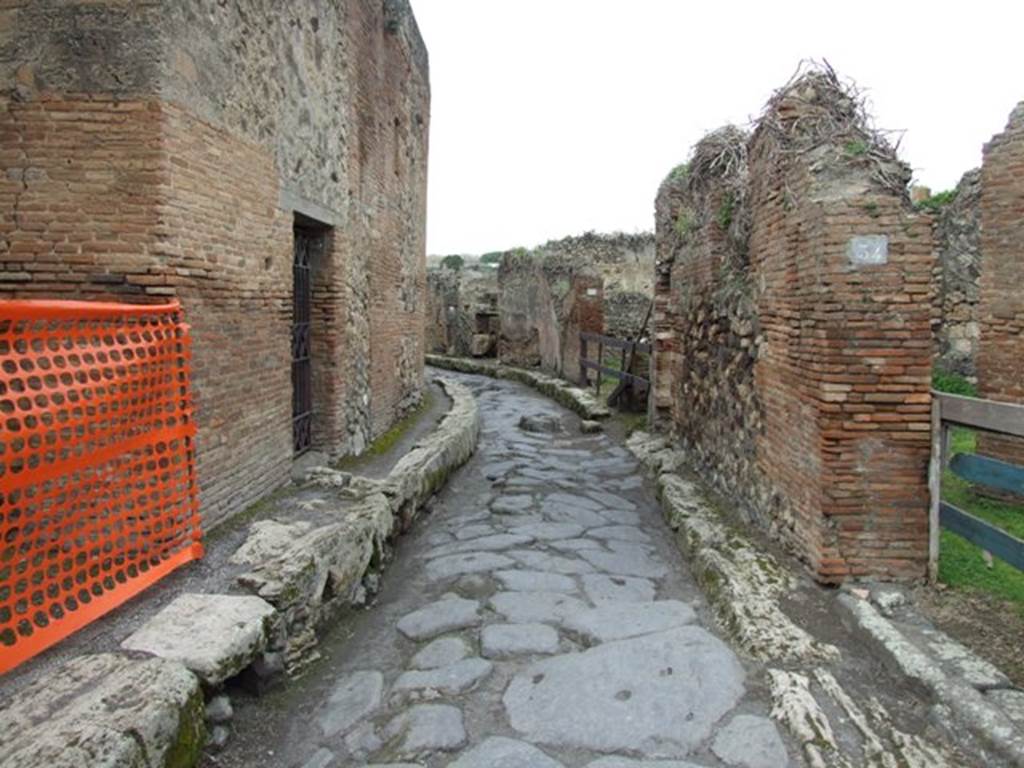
x=437 y=618
x=621 y=533
x=616 y=621
x=474 y=531
x=510 y=505
x=611 y=500
x=535 y=581
x=499 y=752
x=750 y=742
x=601 y=588
x=625 y=762
x=322 y=758
x=450 y=680
x=542 y=561
x=493 y=543
x=561 y=513
x=536 y=607
x=576 y=545
x=471 y=562
x=352 y=699
x=549 y=531
x=442 y=652
x=572 y=500
x=500 y=641
x=615 y=696
x=631 y=561
x=426 y=728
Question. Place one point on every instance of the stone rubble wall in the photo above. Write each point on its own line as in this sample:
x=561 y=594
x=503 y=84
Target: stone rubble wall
x=154 y=151
x=1000 y=358
x=958 y=239
x=462 y=311
x=795 y=362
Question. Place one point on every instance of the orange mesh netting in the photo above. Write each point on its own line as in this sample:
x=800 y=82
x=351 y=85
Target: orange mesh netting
x=98 y=497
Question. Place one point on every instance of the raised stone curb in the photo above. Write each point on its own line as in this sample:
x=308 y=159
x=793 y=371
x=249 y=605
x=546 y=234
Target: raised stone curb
x=105 y=711
x=214 y=636
x=743 y=584
x=956 y=698
x=562 y=392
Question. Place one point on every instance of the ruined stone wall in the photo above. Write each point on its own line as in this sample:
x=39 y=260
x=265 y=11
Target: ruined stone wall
x=707 y=322
x=958 y=239
x=1001 y=300
x=840 y=267
x=154 y=151
x=462 y=311
x=626 y=265
x=544 y=301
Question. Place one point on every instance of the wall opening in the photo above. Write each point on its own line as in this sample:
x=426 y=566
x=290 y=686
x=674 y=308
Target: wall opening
x=310 y=238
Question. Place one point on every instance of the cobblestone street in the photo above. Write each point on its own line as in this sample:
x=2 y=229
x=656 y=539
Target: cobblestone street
x=539 y=617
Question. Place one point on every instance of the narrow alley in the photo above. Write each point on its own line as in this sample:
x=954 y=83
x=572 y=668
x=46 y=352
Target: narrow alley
x=538 y=617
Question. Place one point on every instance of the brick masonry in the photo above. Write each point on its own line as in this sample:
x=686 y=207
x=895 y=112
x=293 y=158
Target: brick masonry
x=837 y=394
x=1001 y=300
x=137 y=167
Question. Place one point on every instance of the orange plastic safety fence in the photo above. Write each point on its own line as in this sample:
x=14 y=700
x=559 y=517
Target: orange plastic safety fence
x=98 y=497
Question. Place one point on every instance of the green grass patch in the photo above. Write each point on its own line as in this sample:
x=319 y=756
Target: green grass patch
x=387 y=441
x=961 y=564
x=938 y=201
x=953 y=384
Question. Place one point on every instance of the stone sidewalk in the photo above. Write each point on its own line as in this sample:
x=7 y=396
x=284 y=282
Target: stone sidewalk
x=541 y=617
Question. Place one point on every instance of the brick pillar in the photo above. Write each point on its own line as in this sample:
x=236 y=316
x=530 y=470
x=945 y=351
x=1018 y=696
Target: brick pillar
x=1001 y=300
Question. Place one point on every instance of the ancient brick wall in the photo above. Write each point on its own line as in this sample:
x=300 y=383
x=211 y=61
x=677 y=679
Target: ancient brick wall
x=1001 y=300
x=958 y=240
x=544 y=301
x=156 y=151
x=840 y=267
x=626 y=265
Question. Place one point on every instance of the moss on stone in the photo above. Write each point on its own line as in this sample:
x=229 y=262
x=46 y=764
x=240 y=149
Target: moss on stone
x=191 y=737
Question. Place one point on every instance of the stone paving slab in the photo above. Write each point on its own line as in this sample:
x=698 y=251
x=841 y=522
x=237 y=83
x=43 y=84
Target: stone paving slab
x=440 y=617
x=617 y=621
x=354 y=697
x=498 y=752
x=536 y=607
x=502 y=641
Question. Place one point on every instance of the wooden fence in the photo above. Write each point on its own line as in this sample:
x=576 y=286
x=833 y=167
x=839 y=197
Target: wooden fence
x=625 y=373
x=987 y=415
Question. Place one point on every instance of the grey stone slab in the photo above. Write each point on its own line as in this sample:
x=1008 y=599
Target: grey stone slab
x=534 y=607
x=353 y=698
x=750 y=742
x=535 y=581
x=561 y=513
x=629 y=533
x=617 y=516
x=214 y=636
x=657 y=694
x=616 y=621
x=499 y=752
x=474 y=531
x=427 y=728
x=576 y=545
x=549 y=531
x=497 y=542
x=601 y=589
x=450 y=680
x=470 y=562
x=501 y=641
x=625 y=762
x=611 y=500
x=442 y=652
x=511 y=504
x=572 y=500
x=440 y=617
x=322 y=758
x=632 y=561
x=543 y=561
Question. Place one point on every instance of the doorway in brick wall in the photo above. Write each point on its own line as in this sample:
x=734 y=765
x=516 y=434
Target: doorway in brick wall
x=310 y=238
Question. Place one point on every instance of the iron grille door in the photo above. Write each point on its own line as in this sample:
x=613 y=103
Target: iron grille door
x=302 y=375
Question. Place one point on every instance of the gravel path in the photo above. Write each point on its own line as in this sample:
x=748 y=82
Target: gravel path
x=539 y=617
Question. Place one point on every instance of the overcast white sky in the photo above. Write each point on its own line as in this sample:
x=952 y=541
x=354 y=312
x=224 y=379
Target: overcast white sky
x=553 y=117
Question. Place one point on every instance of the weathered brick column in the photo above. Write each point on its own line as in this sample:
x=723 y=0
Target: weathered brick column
x=844 y=266
x=1001 y=301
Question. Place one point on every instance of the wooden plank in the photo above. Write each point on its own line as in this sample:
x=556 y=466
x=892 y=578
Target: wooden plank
x=989 y=472
x=611 y=341
x=1006 y=418
x=935 y=489
x=1007 y=548
x=620 y=375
